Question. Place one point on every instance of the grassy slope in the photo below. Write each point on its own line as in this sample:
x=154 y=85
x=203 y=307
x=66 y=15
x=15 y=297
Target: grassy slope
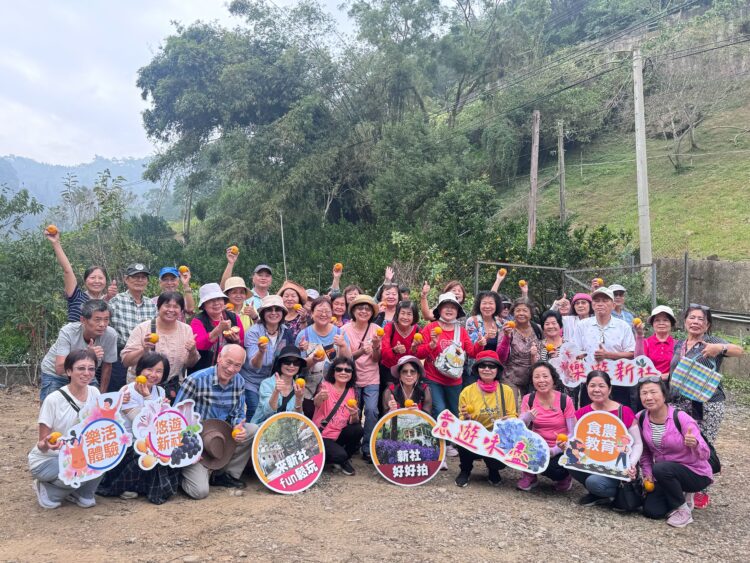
x=704 y=210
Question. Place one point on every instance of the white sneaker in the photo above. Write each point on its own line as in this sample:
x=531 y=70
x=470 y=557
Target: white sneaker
x=450 y=451
x=41 y=496
x=80 y=501
x=127 y=495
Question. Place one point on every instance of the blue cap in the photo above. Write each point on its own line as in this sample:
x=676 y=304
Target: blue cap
x=169 y=270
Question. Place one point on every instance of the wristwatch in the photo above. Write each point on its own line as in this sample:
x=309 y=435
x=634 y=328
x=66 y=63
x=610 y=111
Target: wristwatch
x=724 y=350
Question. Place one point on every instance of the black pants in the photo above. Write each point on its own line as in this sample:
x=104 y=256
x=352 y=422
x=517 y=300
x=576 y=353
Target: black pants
x=118 y=378
x=345 y=446
x=672 y=481
x=466 y=461
x=554 y=470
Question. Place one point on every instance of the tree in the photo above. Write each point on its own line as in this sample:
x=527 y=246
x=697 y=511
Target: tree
x=14 y=208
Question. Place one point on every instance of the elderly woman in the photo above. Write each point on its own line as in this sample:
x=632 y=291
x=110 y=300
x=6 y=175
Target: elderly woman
x=400 y=336
x=94 y=281
x=710 y=351
x=175 y=340
x=262 y=341
x=294 y=298
x=390 y=299
x=659 y=347
x=552 y=331
x=281 y=392
x=582 y=307
x=128 y=480
x=548 y=412
x=485 y=401
x=214 y=326
x=519 y=347
x=675 y=455
x=320 y=343
x=339 y=309
x=59 y=413
x=363 y=335
x=336 y=416
x=238 y=292
x=454 y=286
x=410 y=391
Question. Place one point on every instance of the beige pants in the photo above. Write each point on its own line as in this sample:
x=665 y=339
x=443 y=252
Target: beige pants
x=195 y=478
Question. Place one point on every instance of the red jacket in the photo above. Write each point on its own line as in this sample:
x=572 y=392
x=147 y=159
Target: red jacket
x=389 y=358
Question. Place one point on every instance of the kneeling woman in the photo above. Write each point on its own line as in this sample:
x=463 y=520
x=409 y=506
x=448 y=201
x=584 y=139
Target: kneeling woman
x=337 y=420
x=601 y=489
x=675 y=456
x=128 y=480
x=548 y=412
x=59 y=413
x=280 y=392
x=485 y=401
x=409 y=391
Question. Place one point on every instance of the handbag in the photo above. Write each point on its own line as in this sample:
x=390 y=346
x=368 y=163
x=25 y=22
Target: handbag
x=451 y=360
x=629 y=496
x=694 y=381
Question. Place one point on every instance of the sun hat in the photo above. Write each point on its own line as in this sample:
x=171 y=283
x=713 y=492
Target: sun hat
x=290 y=351
x=234 y=282
x=407 y=360
x=486 y=357
x=448 y=297
x=169 y=270
x=579 y=297
x=210 y=291
x=218 y=444
x=312 y=293
x=607 y=292
x=298 y=289
x=271 y=301
x=366 y=300
x=662 y=309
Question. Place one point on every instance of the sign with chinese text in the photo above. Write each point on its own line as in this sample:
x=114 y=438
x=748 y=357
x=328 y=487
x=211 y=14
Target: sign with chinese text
x=509 y=441
x=168 y=435
x=600 y=445
x=403 y=449
x=94 y=445
x=288 y=453
x=624 y=373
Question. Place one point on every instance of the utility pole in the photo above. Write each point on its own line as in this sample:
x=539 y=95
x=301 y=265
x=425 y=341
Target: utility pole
x=561 y=168
x=531 y=237
x=283 y=246
x=641 y=164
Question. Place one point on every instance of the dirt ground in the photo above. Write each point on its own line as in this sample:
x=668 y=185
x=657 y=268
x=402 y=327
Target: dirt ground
x=362 y=518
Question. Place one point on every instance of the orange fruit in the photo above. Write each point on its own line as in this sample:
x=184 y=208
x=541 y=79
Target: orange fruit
x=300 y=382
x=469 y=409
x=235 y=329
x=338 y=266
x=408 y=403
x=333 y=319
x=140 y=446
x=52 y=229
x=183 y=269
x=549 y=347
x=502 y=272
x=263 y=340
x=235 y=432
x=148 y=461
x=379 y=331
x=141 y=379
x=437 y=330
x=637 y=322
x=648 y=486
x=511 y=324
x=297 y=307
x=229 y=307
x=234 y=250
x=522 y=283
x=227 y=333
x=319 y=354
x=600 y=281
x=153 y=338
x=53 y=438
x=418 y=338
x=351 y=403
x=562 y=438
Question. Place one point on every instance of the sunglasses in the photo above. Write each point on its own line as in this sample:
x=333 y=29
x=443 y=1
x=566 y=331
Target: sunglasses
x=699 y=306
x=289 y=361
x=651 y=379
x=342 y=370
x=275 y=310
x=486 y=366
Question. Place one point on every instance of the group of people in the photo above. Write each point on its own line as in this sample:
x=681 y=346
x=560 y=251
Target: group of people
x=344 y=358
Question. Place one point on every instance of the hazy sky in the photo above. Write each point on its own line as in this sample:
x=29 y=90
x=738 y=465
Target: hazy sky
x=68 y=71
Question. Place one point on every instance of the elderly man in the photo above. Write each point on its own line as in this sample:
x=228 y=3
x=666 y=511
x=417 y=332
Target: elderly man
x=170 y=279
x=620 y=312
x=604 y=337
x=219 y=393
x=92 y=331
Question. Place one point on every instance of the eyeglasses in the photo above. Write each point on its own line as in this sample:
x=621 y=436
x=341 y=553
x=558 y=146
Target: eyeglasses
x=289 y=361
x=339 y=369
x=486 y=366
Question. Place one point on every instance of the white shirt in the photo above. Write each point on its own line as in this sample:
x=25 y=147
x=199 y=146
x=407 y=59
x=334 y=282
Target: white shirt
x=57 y=414
x=137 y=401
x=616 y=336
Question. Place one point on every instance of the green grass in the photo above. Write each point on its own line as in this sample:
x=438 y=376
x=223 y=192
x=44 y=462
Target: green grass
x=704 y=210
x=738 y=387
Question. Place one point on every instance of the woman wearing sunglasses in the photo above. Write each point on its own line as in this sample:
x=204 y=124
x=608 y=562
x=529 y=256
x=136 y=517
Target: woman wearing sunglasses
x=337 y=414
x=675 y=458
x=708 y=351
x=280 y=392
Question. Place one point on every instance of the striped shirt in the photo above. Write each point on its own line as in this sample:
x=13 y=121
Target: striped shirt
x=657 y=431
x=127 y=314
x=212 y=400
x=75 y=302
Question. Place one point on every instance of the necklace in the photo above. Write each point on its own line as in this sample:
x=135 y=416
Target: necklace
x=497 y=409
x=548 y=406
x=403 y=392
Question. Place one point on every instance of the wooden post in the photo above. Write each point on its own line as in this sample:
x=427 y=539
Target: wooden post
x=561 y=168
x=531 y=238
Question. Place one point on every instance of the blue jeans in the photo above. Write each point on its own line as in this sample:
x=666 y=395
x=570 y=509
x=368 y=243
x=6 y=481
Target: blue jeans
x=51 y=383
x=118 y=377
x=251 y=403
x=368 y=395
x=444 y=397
x=597 y=485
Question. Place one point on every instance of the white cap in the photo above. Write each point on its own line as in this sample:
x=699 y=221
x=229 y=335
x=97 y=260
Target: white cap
x=662 y=309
